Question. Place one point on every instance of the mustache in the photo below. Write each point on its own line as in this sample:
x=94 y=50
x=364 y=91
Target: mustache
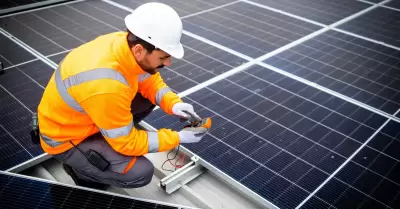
x=160 y=66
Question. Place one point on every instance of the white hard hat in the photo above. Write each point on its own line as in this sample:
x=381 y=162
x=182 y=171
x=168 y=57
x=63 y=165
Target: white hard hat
x=158 y=24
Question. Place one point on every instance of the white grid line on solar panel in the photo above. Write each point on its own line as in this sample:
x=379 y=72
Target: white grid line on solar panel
x=358 y=45
x=271 y=17
x=338 y=68
x=344 y=55
x=262 y=165
x=227 y=37
x=293 y=5
x=25 y=75
x=366 y=23
x=384 y=6
x=33 y=60
x=344 y=164
x=283 y=12
x=208 y=10
x=190 y=4
x=360 y=175
x=233 y=28
x=366 y=38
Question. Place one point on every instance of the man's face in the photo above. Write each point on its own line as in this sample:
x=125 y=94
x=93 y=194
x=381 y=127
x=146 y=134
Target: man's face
x=151 y=62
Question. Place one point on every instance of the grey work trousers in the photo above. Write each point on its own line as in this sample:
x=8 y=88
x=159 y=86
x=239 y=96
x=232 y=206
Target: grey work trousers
x=139 y=175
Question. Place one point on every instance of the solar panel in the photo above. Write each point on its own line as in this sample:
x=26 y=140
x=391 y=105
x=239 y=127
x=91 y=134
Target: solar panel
x=275 y=135
x=248 y=29
x=285 y=142
x=357 y=68
x=379 y=24
x=18 y=191
x=322 y=11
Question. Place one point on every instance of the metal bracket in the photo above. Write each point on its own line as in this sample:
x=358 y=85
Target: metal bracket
x=182 y=176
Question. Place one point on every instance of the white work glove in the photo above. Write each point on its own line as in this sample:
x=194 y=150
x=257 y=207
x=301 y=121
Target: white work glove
x=192 y=135
x=182 y=109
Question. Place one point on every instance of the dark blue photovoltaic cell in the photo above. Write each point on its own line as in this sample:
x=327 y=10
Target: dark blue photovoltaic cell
x=269 y=124
x=11 y=53
x=362 y=70
x=248 y=29
x=371 y=179
x=394 y=4
x=20 y=192
x=379 y=24
x=322 y=11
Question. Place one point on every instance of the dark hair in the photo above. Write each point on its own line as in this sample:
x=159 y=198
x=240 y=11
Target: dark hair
x=133 y=40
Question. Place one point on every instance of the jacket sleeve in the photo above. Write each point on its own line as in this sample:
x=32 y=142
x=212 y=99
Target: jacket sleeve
x=154 y=89
x=111 y=114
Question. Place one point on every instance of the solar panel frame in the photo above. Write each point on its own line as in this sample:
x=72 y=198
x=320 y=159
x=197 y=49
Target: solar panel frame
x=48 y=194
x=23 y=6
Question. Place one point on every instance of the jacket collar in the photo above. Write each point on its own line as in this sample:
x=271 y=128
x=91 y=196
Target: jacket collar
x=125 y=58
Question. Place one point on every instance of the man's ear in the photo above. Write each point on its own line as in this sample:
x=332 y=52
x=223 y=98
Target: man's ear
x=138 y=51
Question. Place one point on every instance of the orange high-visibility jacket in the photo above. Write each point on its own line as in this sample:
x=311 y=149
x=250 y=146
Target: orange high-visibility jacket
x=92 y=91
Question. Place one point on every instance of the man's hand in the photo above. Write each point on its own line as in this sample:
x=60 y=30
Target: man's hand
x=184 y=110
x=192 y=135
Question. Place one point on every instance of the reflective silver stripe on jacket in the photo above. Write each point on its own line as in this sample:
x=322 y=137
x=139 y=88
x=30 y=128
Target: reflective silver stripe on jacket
x=143 y=77
x=51 y=142
x=117 y=132
x=160 y=94
x=95 y=74
x=152 y=138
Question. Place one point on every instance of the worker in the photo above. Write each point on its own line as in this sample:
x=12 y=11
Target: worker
x=105 y=87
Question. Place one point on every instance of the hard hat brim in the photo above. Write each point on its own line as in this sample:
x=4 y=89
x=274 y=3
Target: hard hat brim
x=176 y=52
